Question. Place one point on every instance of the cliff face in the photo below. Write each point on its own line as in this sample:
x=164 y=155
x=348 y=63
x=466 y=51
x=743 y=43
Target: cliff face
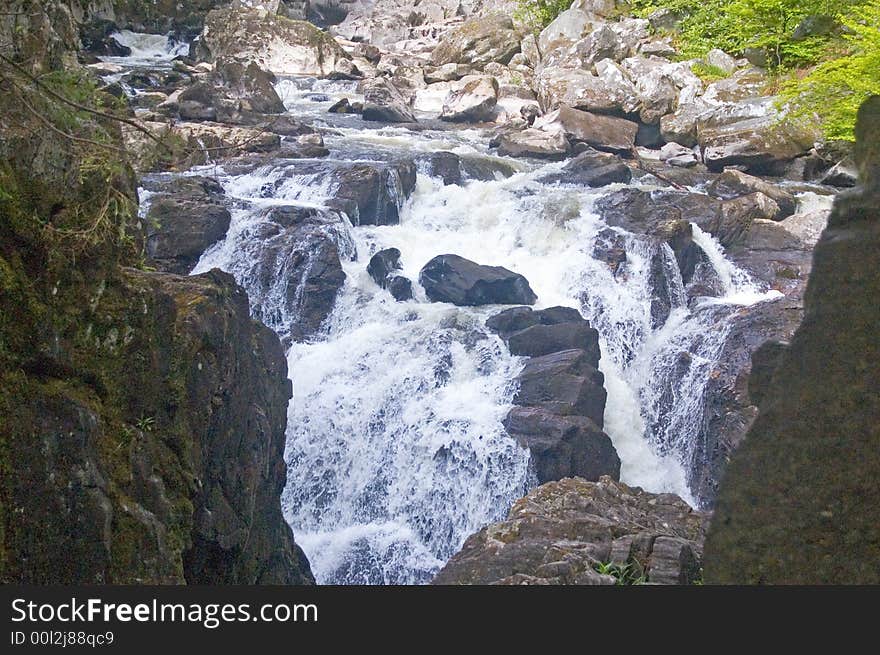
x=142 y=414
x=799 y=501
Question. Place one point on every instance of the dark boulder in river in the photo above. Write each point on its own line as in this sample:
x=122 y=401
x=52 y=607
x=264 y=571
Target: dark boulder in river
x=384 y=267
x=454 y=279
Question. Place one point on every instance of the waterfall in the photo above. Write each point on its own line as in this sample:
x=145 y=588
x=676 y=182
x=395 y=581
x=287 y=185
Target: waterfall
x=395 y=448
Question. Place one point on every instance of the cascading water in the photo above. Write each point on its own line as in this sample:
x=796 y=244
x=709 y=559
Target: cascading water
x=395 y=450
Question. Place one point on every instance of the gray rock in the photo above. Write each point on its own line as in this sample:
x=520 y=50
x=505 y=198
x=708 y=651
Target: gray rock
x=383 y=102
x=473 y=102
x=184 y=219
x=479 y=41
x=563 y=446
x=533 y=142
x=562 y=531
x=454 y=279
x=600 y=132
x=733 y=184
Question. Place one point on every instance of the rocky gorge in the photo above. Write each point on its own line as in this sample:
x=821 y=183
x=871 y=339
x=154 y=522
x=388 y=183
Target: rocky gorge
x=509 y=274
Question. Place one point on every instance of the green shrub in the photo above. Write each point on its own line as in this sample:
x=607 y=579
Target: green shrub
x=537 y=14
x=834 y=89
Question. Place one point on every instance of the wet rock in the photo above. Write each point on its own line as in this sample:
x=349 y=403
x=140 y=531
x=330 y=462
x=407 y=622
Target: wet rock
x=383 y=269
x=512 y=320
x=400 y=288
x=274 y=42
x=473 y=102
x=562 y=531
x=733 y=184
x=454 y=279
x=445 y=165
x=383 y=102
x=479 y=41
x=532 y=142
x=665 y=215
x=97 y=38
x=842 y=175
x=563 y=446
x=293 y=270
x=600 y=132
x=566 y=383
x=184 y=219
x=345 y=106
x=594 y=169
x=372 y=194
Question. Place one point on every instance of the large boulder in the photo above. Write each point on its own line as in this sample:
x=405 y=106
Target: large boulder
x=373 y=194
x=759 y=142
x=609 y=91
x=274 y=42
x=532 y=142
x=734 y=184
x=454 y=279
x=183 y=220
x=473 y=102
x=563 y=446
x=536 y=333
x=385 y=103
x=798 y=502
x=479 y=41
x=593 y=169
x=564 y=532
x=291 y=267
x=235 y=93
x=600 y=132
x=565 y=383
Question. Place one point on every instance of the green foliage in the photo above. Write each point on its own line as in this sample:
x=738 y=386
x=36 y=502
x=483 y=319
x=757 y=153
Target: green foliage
x=825 y=73
x=834 y=90
x=537 y=14
x=708 y=73
x=625 y=574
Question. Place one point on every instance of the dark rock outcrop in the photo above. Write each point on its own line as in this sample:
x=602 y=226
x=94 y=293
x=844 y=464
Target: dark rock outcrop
x=293 y=270
x=563 y=532
x=535 y=333
x=454 y=279
x=383 y=269
x=798 y=502
x=162 y=460
x=186 y=217
x=560 y=395
x=563 y=446
x=372 y=194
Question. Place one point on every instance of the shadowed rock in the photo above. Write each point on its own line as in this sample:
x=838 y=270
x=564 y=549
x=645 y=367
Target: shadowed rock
x=454 y=279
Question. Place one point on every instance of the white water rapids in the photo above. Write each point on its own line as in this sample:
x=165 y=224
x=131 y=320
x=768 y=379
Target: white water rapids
x=395 y=447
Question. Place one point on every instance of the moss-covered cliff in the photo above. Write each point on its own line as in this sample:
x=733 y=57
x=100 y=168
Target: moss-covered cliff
x=142 y=414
